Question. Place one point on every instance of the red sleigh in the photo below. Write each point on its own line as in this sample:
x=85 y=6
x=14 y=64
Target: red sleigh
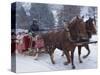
x=28 y=42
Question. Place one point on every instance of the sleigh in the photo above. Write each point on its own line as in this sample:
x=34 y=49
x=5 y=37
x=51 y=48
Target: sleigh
x=30 y=45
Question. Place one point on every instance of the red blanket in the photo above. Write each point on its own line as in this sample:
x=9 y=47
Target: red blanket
x=24 y=44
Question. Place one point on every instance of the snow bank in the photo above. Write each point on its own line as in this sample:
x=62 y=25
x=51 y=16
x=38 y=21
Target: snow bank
x=43 y=63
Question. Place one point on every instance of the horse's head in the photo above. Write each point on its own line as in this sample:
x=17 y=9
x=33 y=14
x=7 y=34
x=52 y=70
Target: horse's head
x=77 y=29
x=90 y=27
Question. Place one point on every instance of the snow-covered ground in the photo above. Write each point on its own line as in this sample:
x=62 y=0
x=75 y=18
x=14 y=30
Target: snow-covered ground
x=43 y=63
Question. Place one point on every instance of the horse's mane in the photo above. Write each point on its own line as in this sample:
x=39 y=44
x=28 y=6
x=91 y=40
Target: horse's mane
x=73 y=20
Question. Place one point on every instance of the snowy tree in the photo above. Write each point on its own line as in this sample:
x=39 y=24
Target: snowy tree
x=68 y=12
x=42 y=13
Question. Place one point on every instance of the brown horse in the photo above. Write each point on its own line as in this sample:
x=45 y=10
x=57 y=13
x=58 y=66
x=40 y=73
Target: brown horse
x=63 y=40
x=90 y=29
x=60 y=40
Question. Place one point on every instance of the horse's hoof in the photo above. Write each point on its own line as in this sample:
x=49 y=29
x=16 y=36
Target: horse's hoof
x=66 y=63
x=73 y=67
x=84 y=57
x=35 y=59
x=81 y=61
x=62 y=55
x=53 y=62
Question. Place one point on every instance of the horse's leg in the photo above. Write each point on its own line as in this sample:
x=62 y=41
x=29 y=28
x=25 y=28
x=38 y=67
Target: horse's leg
x=67 y=56
x=72 y=58
x=87 y=47
x=51 y=53
x=62 y=54
x=79 y=53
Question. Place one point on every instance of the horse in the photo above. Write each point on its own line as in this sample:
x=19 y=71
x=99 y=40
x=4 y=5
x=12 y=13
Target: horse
x=63 y=40
x=59 y=39
x=90 y=30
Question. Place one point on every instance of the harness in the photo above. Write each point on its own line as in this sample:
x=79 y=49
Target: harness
x=69 y=35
